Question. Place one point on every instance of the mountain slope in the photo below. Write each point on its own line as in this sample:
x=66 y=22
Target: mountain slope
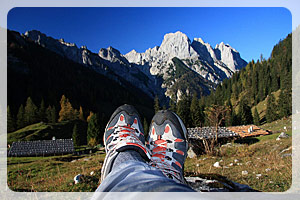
x=36 y=72
x=108 y=62
x=259 y=80
x=151 y=71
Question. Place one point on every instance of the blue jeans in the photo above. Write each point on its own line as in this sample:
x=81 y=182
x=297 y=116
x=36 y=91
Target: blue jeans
x=130 y=173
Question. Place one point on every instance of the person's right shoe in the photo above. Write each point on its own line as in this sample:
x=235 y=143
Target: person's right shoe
x=168 y=143
x=123 y=131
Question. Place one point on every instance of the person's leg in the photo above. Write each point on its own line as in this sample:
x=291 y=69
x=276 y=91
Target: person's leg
x=125 y=167
x=131 y=174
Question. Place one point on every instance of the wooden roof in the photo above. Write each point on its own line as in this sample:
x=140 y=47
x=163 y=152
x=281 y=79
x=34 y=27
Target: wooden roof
x=243 y=130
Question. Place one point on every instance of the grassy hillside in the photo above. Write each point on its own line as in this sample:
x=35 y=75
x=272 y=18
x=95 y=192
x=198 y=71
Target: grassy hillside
x=266 y=160
x=262 y=106
x=45 y=131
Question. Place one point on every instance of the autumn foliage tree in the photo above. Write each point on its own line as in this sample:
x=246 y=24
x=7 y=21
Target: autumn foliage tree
x=67 y=112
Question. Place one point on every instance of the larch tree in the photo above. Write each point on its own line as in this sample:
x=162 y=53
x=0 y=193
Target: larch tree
x=81 y=117
x=67 y=112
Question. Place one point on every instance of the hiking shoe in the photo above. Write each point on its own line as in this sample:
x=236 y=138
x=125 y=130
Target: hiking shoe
x=123 y=132
x=168 y=144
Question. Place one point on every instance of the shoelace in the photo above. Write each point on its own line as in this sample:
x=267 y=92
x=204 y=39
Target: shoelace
x=123 y=133
x=159 y=158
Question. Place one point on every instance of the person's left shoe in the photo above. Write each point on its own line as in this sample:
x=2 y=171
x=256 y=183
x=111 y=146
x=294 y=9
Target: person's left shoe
x=123 y=132
x=168 y=144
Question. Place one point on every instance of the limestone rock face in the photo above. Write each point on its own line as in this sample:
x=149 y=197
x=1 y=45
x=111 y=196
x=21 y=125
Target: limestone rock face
x=212 y=64
x=229 y=56
x=162 y=70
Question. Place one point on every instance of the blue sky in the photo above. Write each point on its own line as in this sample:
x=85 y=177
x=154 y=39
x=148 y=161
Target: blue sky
x=251 y=31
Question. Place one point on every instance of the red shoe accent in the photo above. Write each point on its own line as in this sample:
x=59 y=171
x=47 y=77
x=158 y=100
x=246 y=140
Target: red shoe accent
x=157 y=149
x=159 y=141
x=125 y=131
x=134 y=144
x=167 y=129
x=177 y=163
x=125 y=135
x=110 y=128
x=179 y=140
x=161 y=156
x=108 y=137
x=180 y=152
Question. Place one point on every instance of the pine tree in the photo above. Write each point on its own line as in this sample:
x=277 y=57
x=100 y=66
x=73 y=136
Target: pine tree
x=42 y=111
x=76 y=136
x=271 y=109
x=48 y=114
x=183 y=111
x=284 y=104
x=30 y=112
x=11 y=125
x=229 y=115
x=146 y=126
x=20 y=117
x=172 y=105
x=256 y=119
x=93 y=131
x=156 y=104
x=51 y=114
x=195 y=112
x=75 y=114
x=244 y=113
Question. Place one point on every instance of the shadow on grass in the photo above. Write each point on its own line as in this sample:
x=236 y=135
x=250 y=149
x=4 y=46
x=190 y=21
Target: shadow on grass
x=248 y=141
x=219 y=181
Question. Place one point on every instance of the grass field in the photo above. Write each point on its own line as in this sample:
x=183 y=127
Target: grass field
x=268 y=164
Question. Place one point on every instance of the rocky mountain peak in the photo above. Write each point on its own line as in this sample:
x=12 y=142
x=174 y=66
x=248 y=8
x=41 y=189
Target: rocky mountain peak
x=161 y=70
x=177 y=45
x=229 y=56
x=199 y=40
x=223 y=46
x=62 y=41
x=111 y=54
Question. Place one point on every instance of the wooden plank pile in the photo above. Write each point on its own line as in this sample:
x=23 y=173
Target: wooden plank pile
x=226 y=132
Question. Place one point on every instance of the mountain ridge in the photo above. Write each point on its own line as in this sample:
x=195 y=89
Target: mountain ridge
x=151 y=71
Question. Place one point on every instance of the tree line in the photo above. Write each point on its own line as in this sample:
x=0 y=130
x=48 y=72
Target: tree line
x=244 y=91
x=32 y=113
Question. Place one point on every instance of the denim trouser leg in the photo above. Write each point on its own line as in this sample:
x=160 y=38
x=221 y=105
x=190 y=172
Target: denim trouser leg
x=130 y=173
